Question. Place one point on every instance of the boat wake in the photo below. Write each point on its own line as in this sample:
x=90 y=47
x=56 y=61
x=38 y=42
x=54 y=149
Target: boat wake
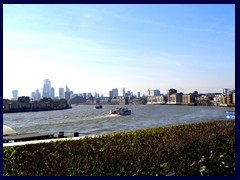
x=112 y=115
x=100 y=117
x=94 y=117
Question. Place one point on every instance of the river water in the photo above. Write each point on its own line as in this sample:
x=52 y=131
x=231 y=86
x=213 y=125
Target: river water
x=87 y=120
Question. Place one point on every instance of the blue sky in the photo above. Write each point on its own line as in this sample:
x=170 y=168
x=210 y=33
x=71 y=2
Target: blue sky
x=95 y=48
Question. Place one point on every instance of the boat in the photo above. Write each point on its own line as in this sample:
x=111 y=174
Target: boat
x=114 y=111
x=120 y=111
x=125 y=111
x=98 y=106
x=230 y=115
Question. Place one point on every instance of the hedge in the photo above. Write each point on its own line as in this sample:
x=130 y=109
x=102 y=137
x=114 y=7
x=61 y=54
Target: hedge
x=203 y=149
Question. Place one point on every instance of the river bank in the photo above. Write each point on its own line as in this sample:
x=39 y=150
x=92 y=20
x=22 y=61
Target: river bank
x=21 y=110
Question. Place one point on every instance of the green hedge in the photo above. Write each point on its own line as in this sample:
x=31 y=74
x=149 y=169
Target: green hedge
x=186 y=150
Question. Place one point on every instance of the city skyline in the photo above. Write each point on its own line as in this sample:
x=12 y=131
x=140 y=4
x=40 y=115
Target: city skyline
x=111 y=93
x=95 y=48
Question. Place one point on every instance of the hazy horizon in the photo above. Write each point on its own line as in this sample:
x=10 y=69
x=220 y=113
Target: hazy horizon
x=95 y=48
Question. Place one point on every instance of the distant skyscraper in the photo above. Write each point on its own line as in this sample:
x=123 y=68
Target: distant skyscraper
x=67 y=89
x=89 y=95
x=46 y=88
x=71 y=93
x=147 y=93
x=37 y=95
x=52 y=93
x=155 y=92
x=115 y=92
x=96 y=95
x=15 y=94
x=110 y=94
x=33 y=95
x=124 y=93
x=138 y=94
x=61 y=93
x=67 y=95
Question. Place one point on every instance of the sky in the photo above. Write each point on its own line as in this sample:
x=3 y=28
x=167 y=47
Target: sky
x=139 y=47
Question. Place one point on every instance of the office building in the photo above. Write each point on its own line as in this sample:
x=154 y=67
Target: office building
x=33 y=95
x=169 y=93
x=46 y=89
x=37 y=95
x=226 y=90
x=115 y=92
x=15 y=94
x=124 y=92
x=138 y=94
x=52 y=94
x=67 y=95
x=61 y=93
x=155 y=92
x=67 y=89
x=110 y=94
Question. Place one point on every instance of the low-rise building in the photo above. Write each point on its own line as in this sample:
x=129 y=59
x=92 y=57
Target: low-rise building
x=156 y=99
x=175 y=98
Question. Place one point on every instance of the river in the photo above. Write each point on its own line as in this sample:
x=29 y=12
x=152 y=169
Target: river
x=87 y=120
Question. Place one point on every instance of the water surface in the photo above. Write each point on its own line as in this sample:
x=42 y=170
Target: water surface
x=87 y=120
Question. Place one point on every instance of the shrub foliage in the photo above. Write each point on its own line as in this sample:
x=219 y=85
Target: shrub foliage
x=203 y=149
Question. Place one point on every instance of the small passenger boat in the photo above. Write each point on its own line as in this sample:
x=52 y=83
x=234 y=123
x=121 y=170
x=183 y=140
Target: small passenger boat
x=98 y=106
x=125 y=111
x=120 y=111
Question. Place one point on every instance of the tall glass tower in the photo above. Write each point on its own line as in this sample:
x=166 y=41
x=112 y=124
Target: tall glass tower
x=15 y=94
x=115 y=92
x=124 y=93
x=46 y=88
x=61 y=93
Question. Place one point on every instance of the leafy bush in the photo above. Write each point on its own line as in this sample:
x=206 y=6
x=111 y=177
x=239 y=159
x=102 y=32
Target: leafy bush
x=185 y=150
